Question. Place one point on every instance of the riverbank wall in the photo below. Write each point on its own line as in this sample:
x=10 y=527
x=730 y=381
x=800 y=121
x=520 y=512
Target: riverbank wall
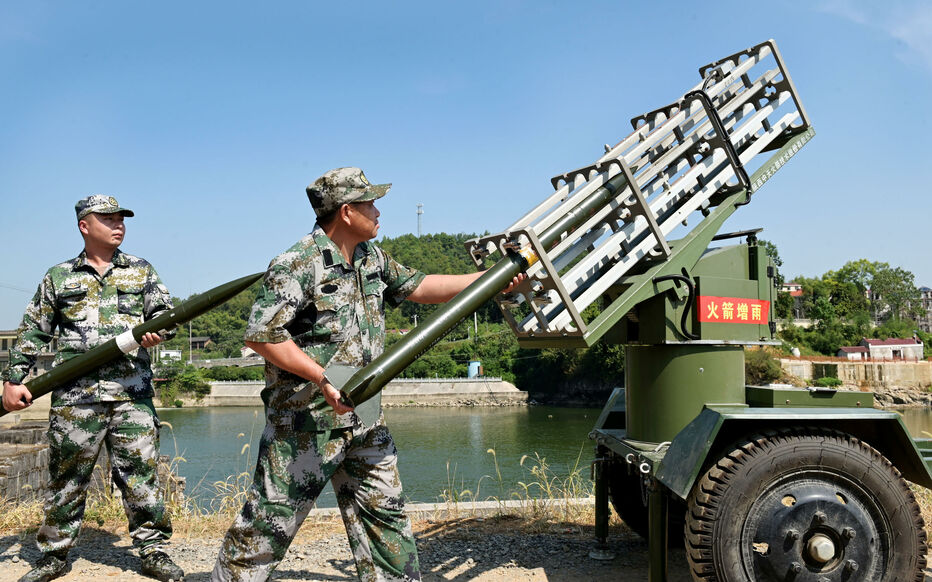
x=893 y=383
x=874 y=376
x=399 y=392
x=24 y=464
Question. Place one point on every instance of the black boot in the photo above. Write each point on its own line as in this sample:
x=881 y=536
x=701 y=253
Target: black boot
x=159 y=566
x=49 y=567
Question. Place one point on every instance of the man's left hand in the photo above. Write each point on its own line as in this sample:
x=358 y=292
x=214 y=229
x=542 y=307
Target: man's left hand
x=334 y=398
x=150 y=340
x=515 y=281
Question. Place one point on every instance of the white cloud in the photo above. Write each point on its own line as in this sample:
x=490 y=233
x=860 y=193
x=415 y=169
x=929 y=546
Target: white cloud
x=907 y=21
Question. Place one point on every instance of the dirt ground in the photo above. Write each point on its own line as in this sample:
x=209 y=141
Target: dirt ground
x=482 y=550
x=464 y=552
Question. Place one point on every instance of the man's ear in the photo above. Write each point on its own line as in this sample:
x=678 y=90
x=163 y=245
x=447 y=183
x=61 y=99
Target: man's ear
x=344 y=213
x=82 y=226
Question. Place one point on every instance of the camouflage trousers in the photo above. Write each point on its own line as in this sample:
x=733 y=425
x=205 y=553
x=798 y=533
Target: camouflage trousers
x=292 y=469
x=130 y=431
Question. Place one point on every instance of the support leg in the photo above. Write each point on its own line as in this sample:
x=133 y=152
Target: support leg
x=601 y=551
x=657 y=533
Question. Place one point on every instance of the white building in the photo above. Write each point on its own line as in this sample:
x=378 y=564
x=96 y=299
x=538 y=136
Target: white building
x=856 y=353
x=925 y=320
x=894 y=348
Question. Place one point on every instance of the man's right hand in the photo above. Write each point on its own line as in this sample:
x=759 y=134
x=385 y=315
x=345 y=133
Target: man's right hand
x=16 y=396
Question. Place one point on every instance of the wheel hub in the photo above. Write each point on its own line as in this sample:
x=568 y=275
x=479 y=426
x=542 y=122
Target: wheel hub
x=810 y=529
x=820 y=548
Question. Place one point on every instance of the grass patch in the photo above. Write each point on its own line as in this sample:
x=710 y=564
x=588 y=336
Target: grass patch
x=542 y=498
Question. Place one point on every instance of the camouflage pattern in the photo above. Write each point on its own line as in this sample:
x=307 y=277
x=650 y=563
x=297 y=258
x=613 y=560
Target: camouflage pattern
x=90 y=309
x=130 y=431
x=332 y=310
x=342 y=186
x=293 y=466
x=111 y=407
x=101 y=205
x=335 y=313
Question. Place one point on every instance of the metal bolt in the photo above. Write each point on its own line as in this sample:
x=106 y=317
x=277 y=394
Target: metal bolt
x=820 y=548
x=848 y=533
x=851 y=566
x=792 y=535
x=796 y=568
x=820 y=517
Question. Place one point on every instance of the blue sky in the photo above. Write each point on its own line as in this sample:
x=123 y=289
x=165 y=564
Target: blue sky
x=209 y=119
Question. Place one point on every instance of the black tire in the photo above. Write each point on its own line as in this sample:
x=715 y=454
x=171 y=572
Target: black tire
x=627 y=491
x=769 y=508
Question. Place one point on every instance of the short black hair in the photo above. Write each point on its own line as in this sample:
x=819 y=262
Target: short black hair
x=328 y=218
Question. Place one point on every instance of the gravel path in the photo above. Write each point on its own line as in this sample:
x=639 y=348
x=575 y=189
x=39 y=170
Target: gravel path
x=460 y=553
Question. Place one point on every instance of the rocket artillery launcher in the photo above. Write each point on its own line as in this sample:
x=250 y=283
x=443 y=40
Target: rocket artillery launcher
x=763 y=483
x=129 y=341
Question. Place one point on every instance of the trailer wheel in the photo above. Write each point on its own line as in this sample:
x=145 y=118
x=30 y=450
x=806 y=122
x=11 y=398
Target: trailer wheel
x=804 y=504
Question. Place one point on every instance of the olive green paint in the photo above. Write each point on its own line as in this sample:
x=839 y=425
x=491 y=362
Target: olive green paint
x=668 y=385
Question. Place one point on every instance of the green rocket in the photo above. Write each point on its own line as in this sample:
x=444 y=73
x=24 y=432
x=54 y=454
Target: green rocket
x=129 y=340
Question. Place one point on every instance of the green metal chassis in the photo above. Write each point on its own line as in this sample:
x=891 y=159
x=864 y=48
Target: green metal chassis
x=673 y=468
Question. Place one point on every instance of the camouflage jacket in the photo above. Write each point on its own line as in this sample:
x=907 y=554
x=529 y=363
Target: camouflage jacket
x=333 y=311
x=90 y=309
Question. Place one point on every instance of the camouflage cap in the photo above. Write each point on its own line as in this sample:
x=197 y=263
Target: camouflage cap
x=100 y=204
x=342 y=186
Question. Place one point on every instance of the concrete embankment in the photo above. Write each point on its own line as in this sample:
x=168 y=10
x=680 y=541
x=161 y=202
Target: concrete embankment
x=865 y=375
x=402 y=392
x=896 y=383
x=24 y=463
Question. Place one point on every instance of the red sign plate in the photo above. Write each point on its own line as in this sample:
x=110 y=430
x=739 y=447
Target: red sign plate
x=733 y=310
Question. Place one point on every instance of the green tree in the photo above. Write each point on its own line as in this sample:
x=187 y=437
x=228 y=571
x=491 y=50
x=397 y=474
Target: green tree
x=859 y=272
x=191 y=381
x=761 y=368
x=895 y=293
x=772 y=252
x=783 y=306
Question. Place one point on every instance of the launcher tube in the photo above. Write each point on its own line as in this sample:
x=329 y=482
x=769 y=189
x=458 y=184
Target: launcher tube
x=128 y=341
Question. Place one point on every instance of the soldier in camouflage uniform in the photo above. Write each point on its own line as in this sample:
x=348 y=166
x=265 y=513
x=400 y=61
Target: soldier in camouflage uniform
x=322 y=304
x=98 y=295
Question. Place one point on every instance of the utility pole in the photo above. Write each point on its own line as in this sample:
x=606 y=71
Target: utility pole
x=420 y=211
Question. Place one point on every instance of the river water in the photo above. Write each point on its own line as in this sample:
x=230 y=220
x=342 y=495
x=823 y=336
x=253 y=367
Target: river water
x=439 y=448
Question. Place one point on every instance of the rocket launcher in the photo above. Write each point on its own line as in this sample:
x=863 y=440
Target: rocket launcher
x=605 y=231
x=129 y=341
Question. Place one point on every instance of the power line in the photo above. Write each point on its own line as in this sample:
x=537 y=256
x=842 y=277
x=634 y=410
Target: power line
x=14 y=288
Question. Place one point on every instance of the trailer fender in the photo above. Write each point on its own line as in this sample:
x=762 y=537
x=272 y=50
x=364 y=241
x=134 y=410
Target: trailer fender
x=717 y=428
